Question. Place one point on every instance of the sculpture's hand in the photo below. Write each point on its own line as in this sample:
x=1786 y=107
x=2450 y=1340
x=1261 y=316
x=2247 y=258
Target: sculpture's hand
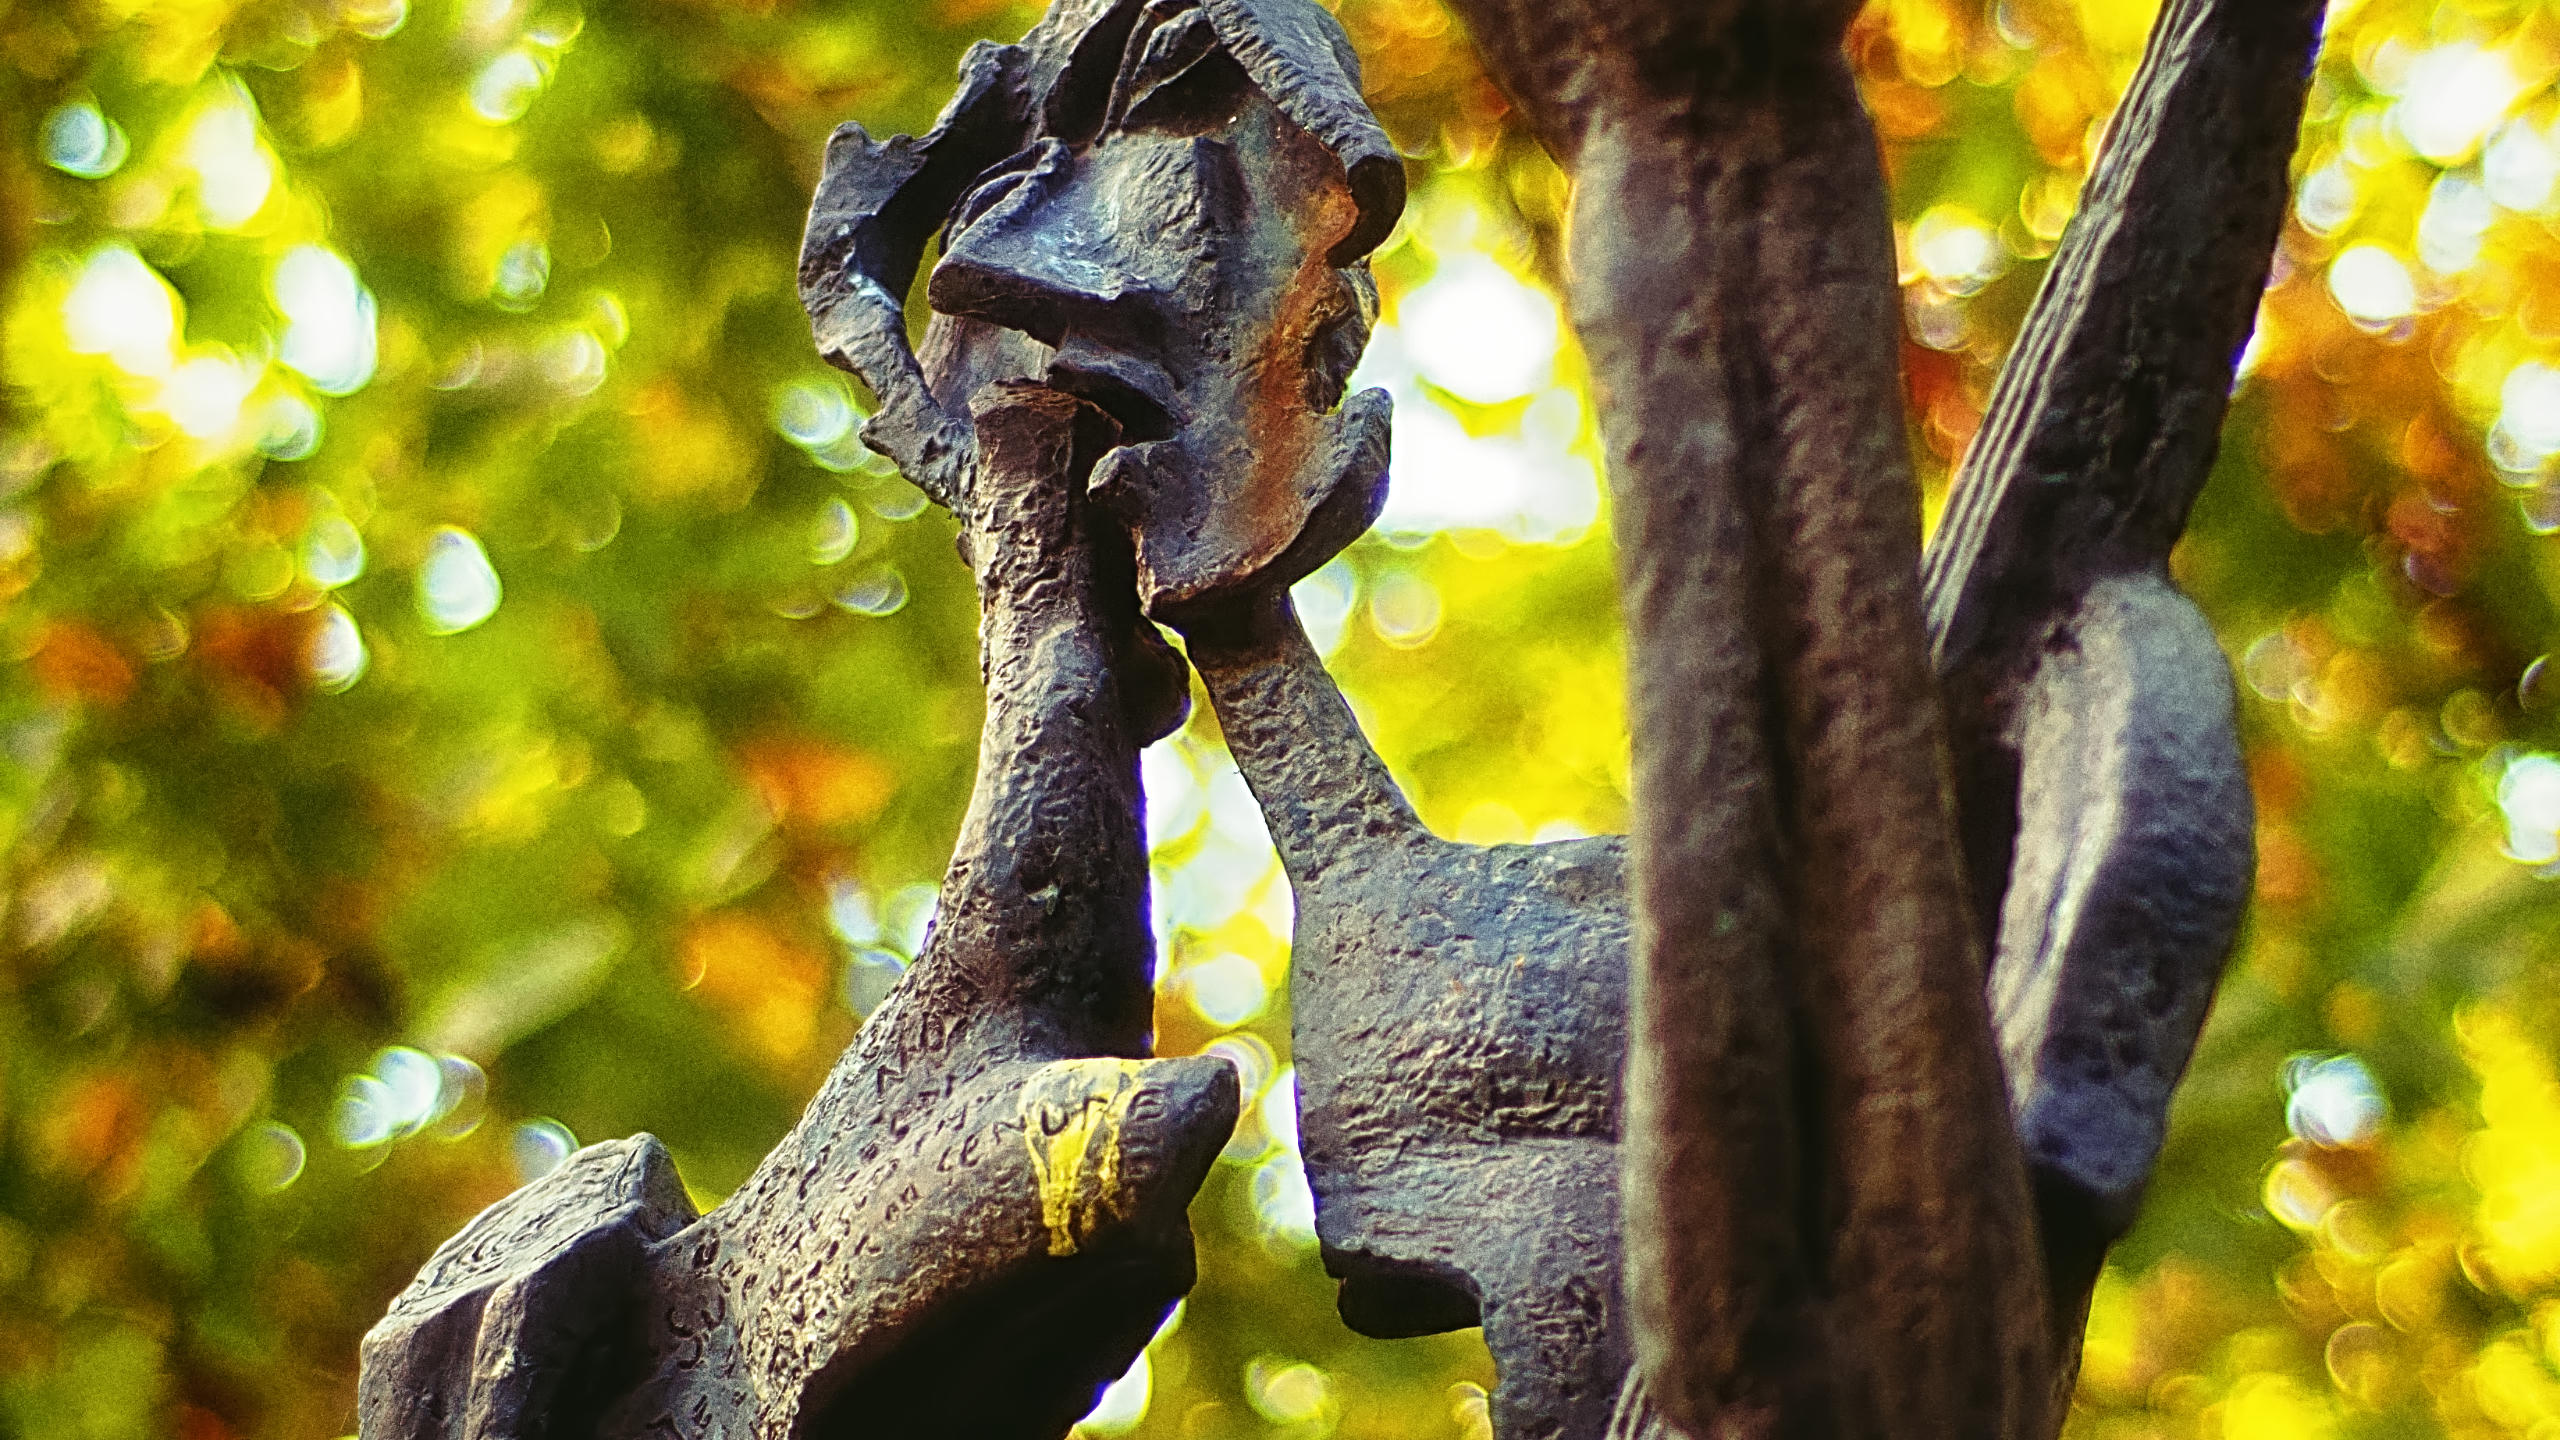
x=1207 y=547
x=2133 y=863
x=1019 y=1213
x=878 y=203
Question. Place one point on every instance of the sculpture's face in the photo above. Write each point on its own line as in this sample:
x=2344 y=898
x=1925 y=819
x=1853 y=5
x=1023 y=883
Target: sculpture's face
x=1176 y=266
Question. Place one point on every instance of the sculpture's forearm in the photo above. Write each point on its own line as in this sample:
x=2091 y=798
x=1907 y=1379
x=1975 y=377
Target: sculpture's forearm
x=1044 y=909
x=1325 y=793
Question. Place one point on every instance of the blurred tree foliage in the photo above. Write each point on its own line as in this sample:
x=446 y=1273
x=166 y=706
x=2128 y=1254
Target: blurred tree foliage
x=467 y=689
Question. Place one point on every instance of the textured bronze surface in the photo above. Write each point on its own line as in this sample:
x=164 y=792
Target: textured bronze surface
x=1853 y=1180
x=992 y=1168
x=1827 y=1230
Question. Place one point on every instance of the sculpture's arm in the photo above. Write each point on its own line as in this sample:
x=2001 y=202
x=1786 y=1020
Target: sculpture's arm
x=2105 y=808
x=993 y=1145
x=1325 y=793
x=1044 y=909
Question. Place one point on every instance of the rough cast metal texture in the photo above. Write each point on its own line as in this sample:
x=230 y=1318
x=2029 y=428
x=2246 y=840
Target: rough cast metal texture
x=2093 y=709
x=1828 y=1230
x=1160 y=208
x=992 y=1169
x=2079 y=679
x=1193 y=267
x=527 y=1316
x=1458 y=1036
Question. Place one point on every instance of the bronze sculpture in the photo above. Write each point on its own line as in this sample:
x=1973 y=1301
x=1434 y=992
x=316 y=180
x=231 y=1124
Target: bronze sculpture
x=1150 y=296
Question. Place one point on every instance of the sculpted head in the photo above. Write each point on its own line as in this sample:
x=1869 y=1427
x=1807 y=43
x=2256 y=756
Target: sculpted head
x=1163 y=207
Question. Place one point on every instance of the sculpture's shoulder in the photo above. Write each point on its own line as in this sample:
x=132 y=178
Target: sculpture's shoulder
x=505 y=1320
x=614 y=1184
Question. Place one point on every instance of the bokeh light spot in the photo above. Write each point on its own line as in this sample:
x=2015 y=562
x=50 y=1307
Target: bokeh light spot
x=836 y=532
x=819 y=417
x=233 y=175
x=2521 y=169
x=122 y=309
x=2529 y=798
x=329 y=330
x=2455 y=222
x=575 y=361
x=877 y=593
x=457 y=587
x=1325 y=601
x=292 y=430
x=1227 y=990
x=2529 y=410
x=271 y=1157
x=363 y=1116
x=412 y=1082
x=1284 y=1207
x=1479 y=332
x=851 y=914
x=338 y=655
x=2332 y=1101
x=332 y=552
x=2327 y=199
x=1404 y=609
x=539 y=1147
x=80 y=140
x=2372 y=285
x=1287 y=1393
x=524 y=272
x=462 y=1093
x=204 y=395
x=505 y=87
x=1955 y=249
x=1278 y=1111
x=2451 y=97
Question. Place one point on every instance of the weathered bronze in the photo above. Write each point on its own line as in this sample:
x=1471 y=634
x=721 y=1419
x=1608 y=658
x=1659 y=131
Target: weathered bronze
x=1866 y=1176
x=992 y=1168
x=2079 y=679
x=1828 y=1226
x=1458 y=1007
x=1195 y=269
x=1458 y=1035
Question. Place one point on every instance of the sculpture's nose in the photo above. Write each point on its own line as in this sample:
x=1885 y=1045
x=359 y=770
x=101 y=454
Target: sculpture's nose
x=1045 y=250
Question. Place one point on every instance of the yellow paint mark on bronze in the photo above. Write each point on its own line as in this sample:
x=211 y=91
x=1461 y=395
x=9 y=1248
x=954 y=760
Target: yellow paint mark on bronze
x=1071 y=1112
